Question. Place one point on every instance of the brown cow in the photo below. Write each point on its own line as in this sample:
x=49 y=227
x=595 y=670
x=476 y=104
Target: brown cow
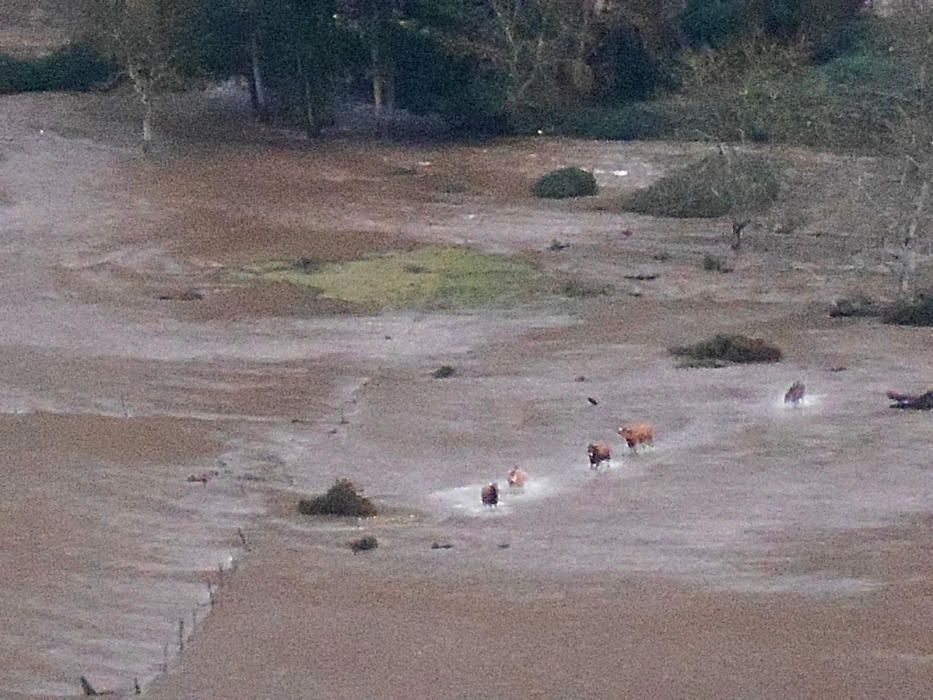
x=637 y=434
x=490 y=494
x=598 y=452
x=517 y=477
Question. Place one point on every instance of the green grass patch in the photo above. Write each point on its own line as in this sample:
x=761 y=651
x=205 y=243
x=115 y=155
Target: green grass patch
x=716 y=185
x=434 y=277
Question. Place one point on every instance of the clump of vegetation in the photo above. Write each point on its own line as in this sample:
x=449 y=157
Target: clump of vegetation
x=75 y=67
x=911 y=313
x=364 y=544
x=307 y=265
x=718 y=185
x=628 y=121
x=342 y=498
x=564 y=183
x=713 y=263
x=723 y=349
x=582 y=289
x=855 y=306
x=443 y=372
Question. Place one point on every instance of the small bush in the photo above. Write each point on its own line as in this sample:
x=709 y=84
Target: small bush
x=566 y=182
x=712 y=263
x=364 y=544
x=582 y=289
x=917 y=313
x=75 y=67
x=855 y=306
x=626 y=122
x=728 y=348
x=717 y=185
x=443 y=372
x=341 y=499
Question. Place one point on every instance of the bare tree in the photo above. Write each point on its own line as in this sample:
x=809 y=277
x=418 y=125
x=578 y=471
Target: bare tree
x=912 y=132
x=540 y=46
x=145 y=38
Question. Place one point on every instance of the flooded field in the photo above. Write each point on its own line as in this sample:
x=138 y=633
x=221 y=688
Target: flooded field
x=161 y=415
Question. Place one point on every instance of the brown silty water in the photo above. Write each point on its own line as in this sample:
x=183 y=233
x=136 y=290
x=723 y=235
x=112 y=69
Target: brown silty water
x=113 y=397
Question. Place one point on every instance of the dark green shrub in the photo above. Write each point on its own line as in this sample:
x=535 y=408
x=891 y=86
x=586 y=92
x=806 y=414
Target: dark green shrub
x=581 y=289
x=714 y=186
x=916 y=313
x=364 y=544
x=712 y=263
x=854 y=306
x=624 y=68
x=846 y=38
x=443 y=372
x=625 y=122
x=566 y=182
x=341 y=499
x=713 y=22
x=728 y=348
x=468 y=94
x=75 y=67
x=15 y=75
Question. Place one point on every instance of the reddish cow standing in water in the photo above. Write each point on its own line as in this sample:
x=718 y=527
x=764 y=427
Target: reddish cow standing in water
x=517 y=477
x=598 y=452
x=795 y=394
x=637 y=434
x=490 y=494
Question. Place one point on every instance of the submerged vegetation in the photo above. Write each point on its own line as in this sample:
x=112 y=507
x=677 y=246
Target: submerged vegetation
x=431 y=277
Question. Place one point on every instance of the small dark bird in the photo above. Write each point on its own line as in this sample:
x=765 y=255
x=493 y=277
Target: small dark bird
x=593 y=402
x=490 y=494
x=795 y=394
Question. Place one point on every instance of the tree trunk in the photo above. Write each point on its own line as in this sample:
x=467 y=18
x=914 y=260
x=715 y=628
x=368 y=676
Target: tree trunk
x=909 y=264
x=147 y=122
x=312 y=125
x=383 y=81
x=257 y=87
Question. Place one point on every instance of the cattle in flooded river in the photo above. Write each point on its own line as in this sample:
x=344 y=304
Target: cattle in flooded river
x=795 y=394
x=598 y=452
x=637 y=434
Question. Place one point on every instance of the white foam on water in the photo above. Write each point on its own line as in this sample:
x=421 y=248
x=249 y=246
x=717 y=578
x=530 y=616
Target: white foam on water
x=466 y=500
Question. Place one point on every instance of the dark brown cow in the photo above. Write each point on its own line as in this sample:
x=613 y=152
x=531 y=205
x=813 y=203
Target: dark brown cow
x=795 y=394
x=598 y=452
x=490 y=494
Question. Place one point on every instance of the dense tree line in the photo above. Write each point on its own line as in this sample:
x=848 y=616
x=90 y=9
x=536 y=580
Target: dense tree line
x=474 y=61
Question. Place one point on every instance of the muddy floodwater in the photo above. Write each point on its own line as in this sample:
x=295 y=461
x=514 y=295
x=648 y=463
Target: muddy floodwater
x=161 y=415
